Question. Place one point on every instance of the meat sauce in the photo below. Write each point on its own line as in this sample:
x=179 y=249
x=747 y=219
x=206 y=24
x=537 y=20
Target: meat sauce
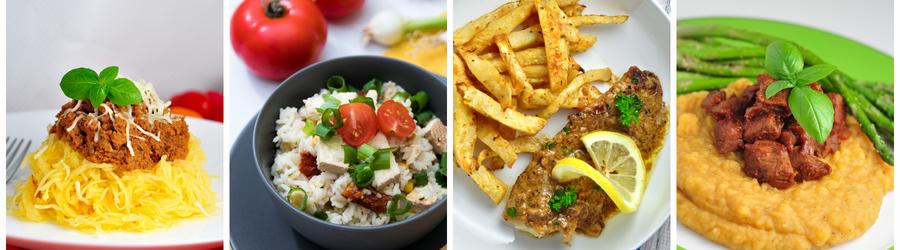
x=776 y=149
x=124 y=136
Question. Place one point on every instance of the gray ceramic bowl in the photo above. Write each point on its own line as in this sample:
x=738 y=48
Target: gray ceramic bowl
x=307 y=82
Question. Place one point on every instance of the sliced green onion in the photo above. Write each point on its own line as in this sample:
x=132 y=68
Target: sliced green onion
x=382 y=159
x=332 y=118
x=441 y=175
x=336 y=83
x=321 y=215
x=372 y=84
x=423 y=118
x=392 y=209
x=294 y=201
x=363 y=175
x=329 y=102
x=309 y=128
x=418 y=101
x=363 y=99
x=420 y=179
x=511 y=212
x=350 y=154
x=324 y=132
x=400 y=96
x=365 y=152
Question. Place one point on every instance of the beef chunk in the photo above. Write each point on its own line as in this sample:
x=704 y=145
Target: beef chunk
x=779 y=99
x=805 y=143
x=766 y=126
x=840 y=114
x=713 y=99
x=731 y=108
x=788 y=139
x=728 y=135
x=815 y=86
x=808 y=167
x=769 y=162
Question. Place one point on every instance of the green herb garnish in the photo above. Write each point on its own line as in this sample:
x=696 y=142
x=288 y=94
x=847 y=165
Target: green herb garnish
x=86 y=84
x=309 y=128
x=629 y=107
x=423 y=118
x=563 y=198
x=362 y=174
x=511 y=212
x=812 y=109
x=350 y=154
x=337 y=84
x=420 y=179
x=441 y=175
x=364 y=99
x=400 y=96
x=372 y=84
x=567 y=129
x=382 y=159
x=418 y=101
x=393 y=209
x=549 y=145
x=321 y=215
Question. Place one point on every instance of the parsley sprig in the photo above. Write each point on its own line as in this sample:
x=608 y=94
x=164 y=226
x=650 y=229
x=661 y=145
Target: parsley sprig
x=563 y=198
x=86 y=84
x=812 y=109
x=629 y=107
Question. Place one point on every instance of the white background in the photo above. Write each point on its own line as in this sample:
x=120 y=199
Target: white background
x=247 y=93
x=176 y=45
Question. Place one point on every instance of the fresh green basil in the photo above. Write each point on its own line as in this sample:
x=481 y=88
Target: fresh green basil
x=814 y=73
x=778 y=86
x=783 y=60
x=813 y=111
x=85 y=84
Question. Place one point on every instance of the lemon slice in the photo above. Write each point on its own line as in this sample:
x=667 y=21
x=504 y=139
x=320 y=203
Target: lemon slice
x=619 y=168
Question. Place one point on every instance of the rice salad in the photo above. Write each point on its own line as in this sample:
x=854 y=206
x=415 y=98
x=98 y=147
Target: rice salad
x=329 y=162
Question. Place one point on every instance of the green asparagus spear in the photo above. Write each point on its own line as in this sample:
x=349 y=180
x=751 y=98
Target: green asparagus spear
x=749 y=62
x=726 y=42
x=691 y=85
x=884 y=102
x=686 y=62
x=887 y=154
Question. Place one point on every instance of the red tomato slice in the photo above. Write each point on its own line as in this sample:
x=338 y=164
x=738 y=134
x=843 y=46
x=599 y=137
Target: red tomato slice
x=359 y=123
x=394 y=120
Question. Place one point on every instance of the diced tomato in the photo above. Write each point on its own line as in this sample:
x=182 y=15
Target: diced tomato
x=359 y=123
x=308 y=164
x=394 y=120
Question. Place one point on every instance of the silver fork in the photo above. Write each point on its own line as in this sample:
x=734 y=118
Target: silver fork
x=16 y=149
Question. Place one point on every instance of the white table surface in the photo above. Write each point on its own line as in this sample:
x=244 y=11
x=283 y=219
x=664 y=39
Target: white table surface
x=175 y=44
x=870 y=22
x=246 y=93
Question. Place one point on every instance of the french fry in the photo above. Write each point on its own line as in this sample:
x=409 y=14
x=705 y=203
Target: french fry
x=529 y=144
x=492 y=139
x=516 y=74
x=570 y=32
x=490 y=159
x=489 y=184
x=598 y=75
x=573 y=10
x=597 y=19
x=535 y=71
x=556 y=48
x=490 y=77
x=459 y=72
x=502 y=25
x=464 y=136
x=562 y=97
x=483 y=104
x=526 y=37
x=465 y=33
x=584 y=42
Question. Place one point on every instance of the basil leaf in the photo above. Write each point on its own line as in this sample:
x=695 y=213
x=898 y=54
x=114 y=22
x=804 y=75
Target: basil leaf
x=813 y=111
x=123 y=92
x=109 y=74
x=783 y=60
x=98 y=94
x=814 y=73
x=778 y=86
x=77 y=83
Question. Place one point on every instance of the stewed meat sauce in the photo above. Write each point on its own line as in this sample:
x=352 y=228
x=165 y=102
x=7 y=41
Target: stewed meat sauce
x=125 y=136
x=776 y=149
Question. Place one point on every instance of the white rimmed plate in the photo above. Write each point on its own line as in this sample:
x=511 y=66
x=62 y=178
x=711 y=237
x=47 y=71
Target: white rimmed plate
x=202 y=233
x=643 y=41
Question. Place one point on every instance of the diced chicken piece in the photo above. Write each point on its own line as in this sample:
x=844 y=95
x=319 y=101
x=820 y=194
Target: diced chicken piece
x=330 y=156
x=387 y=176
x=425 y=196
x=436 y=133
x=379 y=141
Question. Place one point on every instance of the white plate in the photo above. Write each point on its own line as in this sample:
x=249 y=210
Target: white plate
x=642 y=41
x=192 y=233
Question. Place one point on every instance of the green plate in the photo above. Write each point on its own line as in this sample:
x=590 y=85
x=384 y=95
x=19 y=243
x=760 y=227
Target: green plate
x=857 y=60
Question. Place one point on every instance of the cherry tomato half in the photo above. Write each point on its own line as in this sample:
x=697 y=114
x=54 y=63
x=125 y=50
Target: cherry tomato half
x=359 y=123
x=394 y=120
x=278 y=38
